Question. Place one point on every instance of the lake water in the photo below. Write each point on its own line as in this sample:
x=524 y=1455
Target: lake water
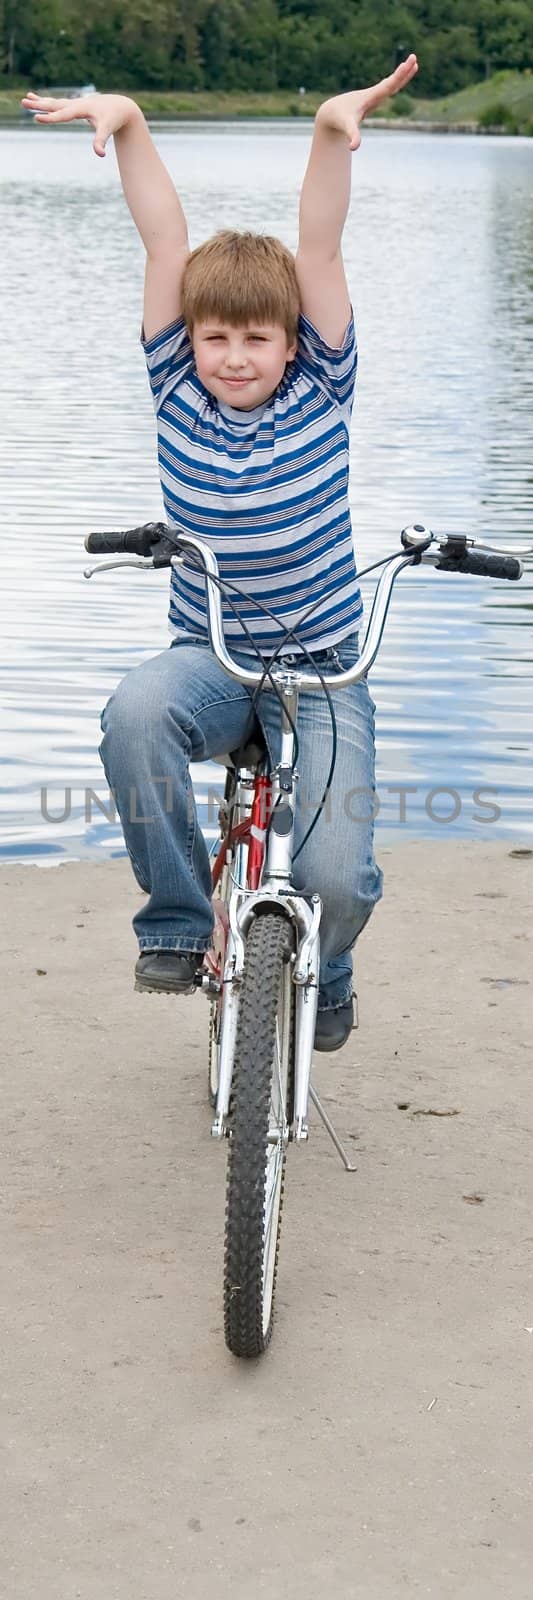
x=439 y=257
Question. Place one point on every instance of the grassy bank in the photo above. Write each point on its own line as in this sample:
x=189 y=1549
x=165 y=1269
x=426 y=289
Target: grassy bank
x=201 y=104
x=503 y=102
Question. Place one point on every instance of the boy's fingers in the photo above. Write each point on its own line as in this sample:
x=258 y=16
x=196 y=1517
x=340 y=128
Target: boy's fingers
x=405 y=71
x=44 y=102
x=100 y=141
x=393 y=83
x=62 y=115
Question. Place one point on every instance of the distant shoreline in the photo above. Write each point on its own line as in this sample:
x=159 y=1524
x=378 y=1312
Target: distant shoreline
x=501 y=104
x=373 y=124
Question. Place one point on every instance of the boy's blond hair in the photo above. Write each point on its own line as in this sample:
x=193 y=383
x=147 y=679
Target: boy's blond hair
x=241 y=278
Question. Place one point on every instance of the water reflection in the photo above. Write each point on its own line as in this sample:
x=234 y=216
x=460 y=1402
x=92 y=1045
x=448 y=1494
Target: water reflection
x=439 y=256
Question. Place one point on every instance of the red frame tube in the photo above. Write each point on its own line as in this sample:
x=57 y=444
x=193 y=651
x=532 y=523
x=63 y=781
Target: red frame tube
x=253 y=828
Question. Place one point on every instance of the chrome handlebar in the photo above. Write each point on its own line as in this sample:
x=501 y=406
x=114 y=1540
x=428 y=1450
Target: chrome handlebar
x=421 y=546
x=281 y=672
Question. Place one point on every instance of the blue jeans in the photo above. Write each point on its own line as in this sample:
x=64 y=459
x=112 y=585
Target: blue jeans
x=180 y=706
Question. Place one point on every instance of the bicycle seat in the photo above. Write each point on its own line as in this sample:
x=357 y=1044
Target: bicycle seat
x=249 y=756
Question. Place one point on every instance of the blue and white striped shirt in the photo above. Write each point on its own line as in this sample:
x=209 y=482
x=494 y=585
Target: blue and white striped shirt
x=267 y=489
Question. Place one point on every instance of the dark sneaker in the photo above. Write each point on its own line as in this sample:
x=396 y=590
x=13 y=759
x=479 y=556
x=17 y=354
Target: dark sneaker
x=168 y=971
x=334 y=1027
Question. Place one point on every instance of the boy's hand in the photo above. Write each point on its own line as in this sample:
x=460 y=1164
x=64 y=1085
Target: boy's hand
x=106 y=113
x=346 y=112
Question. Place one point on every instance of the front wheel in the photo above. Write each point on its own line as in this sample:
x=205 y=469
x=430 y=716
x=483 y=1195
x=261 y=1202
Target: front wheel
x=259 y=1119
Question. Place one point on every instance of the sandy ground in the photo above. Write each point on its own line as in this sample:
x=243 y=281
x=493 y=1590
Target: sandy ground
x=382 y=1447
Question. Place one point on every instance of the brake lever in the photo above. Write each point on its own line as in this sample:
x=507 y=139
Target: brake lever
x=518 y=550
x=125 y=561
x=460 y=541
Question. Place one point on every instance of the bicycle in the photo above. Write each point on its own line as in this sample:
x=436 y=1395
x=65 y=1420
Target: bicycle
x=262 y=970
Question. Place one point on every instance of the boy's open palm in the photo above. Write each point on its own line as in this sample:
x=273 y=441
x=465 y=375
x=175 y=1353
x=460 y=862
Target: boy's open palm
x=345 y=112
x=106 y=113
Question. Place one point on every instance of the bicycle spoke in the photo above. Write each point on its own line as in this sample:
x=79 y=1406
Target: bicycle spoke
x=274 y=1166
x=277 y=1124
x=277 y=1080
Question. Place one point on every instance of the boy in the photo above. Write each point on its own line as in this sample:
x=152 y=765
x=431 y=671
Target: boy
x=251 y=356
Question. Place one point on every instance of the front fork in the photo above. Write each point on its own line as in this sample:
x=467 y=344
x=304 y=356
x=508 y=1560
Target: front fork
x=305 y=974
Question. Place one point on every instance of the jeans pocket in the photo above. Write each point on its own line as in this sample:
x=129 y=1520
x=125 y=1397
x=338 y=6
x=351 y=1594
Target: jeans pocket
x=344 y=655
x=194 y=639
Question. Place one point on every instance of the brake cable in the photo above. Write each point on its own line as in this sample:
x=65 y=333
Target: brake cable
x=288 y=634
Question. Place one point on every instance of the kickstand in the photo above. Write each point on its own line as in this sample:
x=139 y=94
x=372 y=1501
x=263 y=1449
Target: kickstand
x=330 y=1129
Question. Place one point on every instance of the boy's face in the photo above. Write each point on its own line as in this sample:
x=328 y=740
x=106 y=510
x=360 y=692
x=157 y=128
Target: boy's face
x=241 y=366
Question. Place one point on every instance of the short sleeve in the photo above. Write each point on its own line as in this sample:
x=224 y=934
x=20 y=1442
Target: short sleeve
x=169 y=359
x=334 y=370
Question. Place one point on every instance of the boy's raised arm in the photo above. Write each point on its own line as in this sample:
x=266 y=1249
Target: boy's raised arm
x=324 y=201
x=159 y=218
x=150 y=194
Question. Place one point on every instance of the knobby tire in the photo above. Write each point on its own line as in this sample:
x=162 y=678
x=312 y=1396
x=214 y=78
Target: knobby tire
x=261 y=1099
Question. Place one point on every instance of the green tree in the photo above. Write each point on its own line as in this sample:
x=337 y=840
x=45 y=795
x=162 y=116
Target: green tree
x=326 y=45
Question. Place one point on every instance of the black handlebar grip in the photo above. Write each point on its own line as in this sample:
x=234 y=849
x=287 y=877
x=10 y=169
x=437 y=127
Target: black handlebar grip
x=104 y=544
x=494 y=566
x=134 y=542
x=482 y=565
